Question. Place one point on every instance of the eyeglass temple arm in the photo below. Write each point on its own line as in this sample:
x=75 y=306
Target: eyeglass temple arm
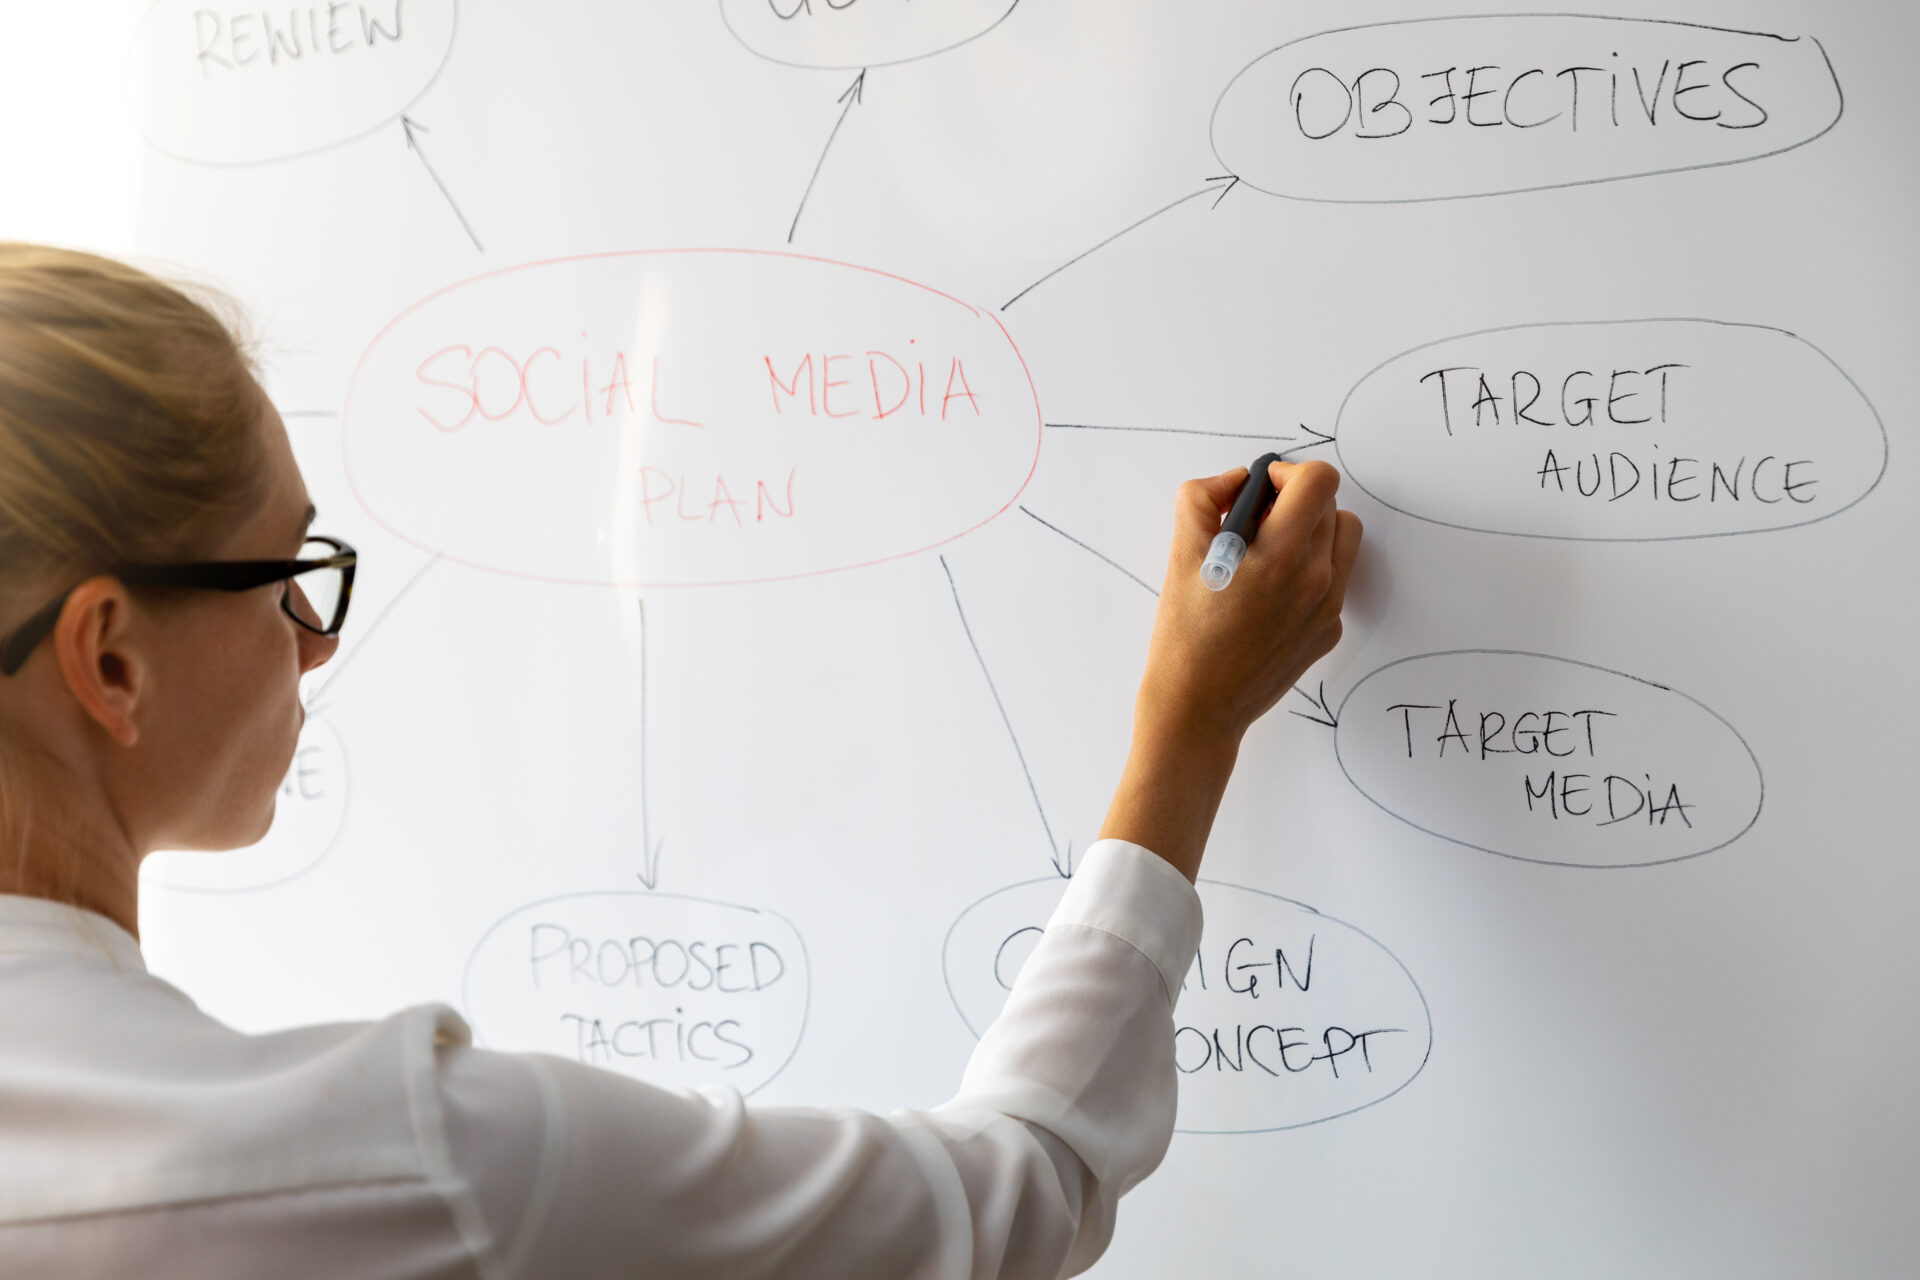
x=28 y=635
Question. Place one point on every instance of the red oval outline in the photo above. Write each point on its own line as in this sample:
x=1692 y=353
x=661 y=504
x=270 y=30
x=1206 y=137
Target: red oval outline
x=346 y=461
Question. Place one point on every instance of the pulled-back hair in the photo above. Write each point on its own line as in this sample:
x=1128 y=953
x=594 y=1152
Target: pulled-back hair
x=128 y=414
x=127 y=411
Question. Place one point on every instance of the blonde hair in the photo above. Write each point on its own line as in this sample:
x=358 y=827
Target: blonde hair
x=128 y=412
x=127 y=415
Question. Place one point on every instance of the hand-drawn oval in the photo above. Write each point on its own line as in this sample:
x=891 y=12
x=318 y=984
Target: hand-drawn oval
x=851 y=35
x=674 y=990
x=308 y=816
x=1287 y=1018
x=225 y=86
x=1545 y=759
x=1614 y=431
x=688 y=417
x=1453 y=107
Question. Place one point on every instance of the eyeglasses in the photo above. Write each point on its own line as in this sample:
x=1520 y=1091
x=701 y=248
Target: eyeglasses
x=318 y=585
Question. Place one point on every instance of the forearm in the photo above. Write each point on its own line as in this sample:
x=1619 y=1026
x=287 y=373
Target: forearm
x=1219 y=660
x=1170 y=789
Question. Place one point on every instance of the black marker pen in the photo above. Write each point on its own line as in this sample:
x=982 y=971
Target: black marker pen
x=1230 y=544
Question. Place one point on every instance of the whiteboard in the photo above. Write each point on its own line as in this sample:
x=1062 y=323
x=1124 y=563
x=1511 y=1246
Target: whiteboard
x=758 y=420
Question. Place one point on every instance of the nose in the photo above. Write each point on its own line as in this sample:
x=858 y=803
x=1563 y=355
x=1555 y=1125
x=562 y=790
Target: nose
x=315 y=649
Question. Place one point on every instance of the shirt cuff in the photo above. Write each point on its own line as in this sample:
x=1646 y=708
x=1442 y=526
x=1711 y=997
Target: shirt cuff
x=1136 y=895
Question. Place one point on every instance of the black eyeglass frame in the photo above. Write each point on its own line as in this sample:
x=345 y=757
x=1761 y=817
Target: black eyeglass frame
x=216 y=575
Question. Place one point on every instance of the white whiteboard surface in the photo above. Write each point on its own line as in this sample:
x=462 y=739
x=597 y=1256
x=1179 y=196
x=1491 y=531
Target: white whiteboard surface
x=759 y=433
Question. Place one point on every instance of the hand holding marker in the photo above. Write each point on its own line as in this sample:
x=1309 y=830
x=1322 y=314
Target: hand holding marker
x=1218 y=662
x=1230 y=544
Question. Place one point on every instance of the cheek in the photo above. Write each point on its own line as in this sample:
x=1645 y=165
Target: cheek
x=252 y=687
x=224 y=724
x=264 y=728
x=274 y=679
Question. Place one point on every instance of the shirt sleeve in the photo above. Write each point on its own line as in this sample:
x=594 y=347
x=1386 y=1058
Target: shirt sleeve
x=1067 y=1102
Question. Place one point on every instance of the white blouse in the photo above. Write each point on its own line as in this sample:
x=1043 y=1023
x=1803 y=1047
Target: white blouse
x=139 y=1137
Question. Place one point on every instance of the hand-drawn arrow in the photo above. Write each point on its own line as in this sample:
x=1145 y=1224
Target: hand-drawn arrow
x=1318 y=439
x=1319 y=704
x=850 y=98
x=1098 y=555
x=411 y=126
x=1221 y=184
x=1053 y=846
x=649 y=851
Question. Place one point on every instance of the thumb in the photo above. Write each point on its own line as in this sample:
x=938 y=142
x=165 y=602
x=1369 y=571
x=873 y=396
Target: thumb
x=1198 y=509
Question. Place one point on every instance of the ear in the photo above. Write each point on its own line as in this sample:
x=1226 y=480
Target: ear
x=104 y=671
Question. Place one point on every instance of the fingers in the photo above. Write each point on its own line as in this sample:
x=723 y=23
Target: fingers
x=1346 y=549
x=1320 y=544
x=1334 y=569
x=1198 y=509
x=1346 y=543
x=1231 y=650
x=1303 y=512
x=1307 y=491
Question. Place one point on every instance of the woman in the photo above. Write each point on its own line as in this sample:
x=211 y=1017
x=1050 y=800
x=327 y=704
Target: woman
x=160 y=599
